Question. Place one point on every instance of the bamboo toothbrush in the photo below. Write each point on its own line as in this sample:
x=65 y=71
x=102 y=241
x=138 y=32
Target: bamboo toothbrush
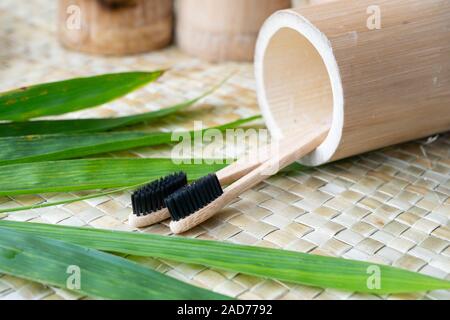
x=148 y=202
x=198 y=202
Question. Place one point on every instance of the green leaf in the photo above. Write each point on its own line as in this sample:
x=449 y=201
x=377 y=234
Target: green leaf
x=294 y=267
x=102 y=275
x=66 y=201
x=90 y=174
x=70 y=146
x=70 y=95
x=40 y=127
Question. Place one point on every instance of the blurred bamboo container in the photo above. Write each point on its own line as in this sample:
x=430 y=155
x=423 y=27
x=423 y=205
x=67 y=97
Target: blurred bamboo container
x=380 y=75
x=115 y=27
x=221 y=30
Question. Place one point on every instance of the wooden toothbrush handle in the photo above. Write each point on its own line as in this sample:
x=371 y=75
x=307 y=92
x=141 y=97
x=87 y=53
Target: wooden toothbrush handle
x=148 y=220
x=288 y=154
x=247 y=164
x=243 y=166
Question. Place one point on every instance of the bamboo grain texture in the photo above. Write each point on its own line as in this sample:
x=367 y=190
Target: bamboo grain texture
x=395 y=79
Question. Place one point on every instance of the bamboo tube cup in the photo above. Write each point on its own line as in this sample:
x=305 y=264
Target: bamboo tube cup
x=221 y=30
x=115 y=27
x=377 y=87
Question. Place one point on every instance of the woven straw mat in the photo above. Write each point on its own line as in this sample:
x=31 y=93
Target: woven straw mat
x=390 y=206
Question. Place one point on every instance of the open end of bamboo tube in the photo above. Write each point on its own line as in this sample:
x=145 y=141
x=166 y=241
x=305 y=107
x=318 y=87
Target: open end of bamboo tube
x=298 y=82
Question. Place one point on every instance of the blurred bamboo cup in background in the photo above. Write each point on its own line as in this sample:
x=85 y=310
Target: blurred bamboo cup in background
x=115 y=27
x=222 y=30
x=378 y=72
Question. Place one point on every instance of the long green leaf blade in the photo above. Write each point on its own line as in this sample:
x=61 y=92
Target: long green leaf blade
x=70 y=146
x=40 y=127
x=70 y=95
x=102 y=275
x=67 y=201
x=307 y=269
x=90 y=174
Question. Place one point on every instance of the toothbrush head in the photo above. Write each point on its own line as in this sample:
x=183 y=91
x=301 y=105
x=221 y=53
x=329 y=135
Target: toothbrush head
x=150 y=198
x=193 y=197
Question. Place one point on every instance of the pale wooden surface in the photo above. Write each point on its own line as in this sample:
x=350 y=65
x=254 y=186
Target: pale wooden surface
x=390 y=206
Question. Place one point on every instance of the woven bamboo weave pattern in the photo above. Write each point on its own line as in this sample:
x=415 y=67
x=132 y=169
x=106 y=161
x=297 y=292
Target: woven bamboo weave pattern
x=390 y=206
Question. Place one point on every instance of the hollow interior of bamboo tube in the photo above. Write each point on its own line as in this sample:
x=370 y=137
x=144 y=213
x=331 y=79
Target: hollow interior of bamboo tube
x=298 y=83
x=298 y=87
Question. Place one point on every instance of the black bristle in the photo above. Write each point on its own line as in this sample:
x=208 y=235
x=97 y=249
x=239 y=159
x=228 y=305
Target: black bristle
x=150 y=198
x=193 y=197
